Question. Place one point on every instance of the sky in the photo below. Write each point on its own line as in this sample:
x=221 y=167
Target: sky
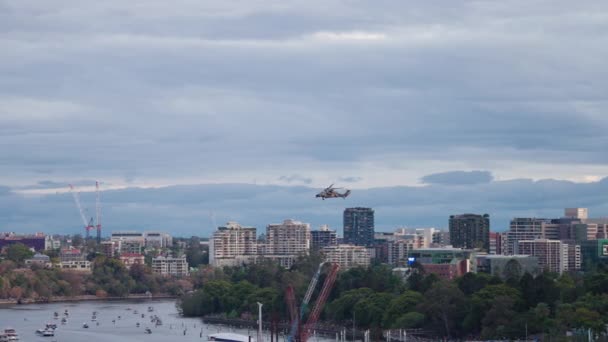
x=190 y=112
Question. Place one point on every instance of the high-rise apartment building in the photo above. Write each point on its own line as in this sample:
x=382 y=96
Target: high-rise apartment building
x=470 y=231
x=552 y=254
x=359 y=226
x=233 y=245
x=286 y=241
x=524 y=229
x=324 y=237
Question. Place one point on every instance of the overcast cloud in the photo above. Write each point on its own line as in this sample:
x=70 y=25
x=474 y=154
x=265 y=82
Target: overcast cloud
x=374 y=95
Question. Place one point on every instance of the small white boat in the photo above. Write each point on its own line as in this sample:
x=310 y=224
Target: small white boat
x=11 y=334
x=86 y=326
x=46 y=332
x=230 y=337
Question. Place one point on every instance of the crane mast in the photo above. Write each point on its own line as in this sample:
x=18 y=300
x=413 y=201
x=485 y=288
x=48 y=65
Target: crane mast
x=98 y=211
x=89 y=224
x=298 y=331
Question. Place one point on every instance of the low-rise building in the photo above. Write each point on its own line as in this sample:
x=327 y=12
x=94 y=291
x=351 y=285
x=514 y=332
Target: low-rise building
x=75 y=265
x=130 y=259
x=168 y=266
x=446 y=262
x=506 y=265
x=347 y=256
x=39 y=259
x=71 y=254
x=36 y=241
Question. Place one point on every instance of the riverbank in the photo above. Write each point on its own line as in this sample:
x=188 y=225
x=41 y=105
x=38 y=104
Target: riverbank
x=84 y=298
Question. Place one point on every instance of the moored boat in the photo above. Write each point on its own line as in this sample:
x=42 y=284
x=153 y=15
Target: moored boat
x=230 y=337
x=11 y=334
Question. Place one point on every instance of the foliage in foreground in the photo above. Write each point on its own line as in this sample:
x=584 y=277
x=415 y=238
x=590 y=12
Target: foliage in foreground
x=475 y=305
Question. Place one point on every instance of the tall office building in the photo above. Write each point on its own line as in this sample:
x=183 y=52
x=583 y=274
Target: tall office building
x=359 y=226
x=470 y=231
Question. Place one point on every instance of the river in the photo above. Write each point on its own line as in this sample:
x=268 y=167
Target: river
x=26 y=319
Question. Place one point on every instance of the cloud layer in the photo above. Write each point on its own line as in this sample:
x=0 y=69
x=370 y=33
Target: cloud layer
x=151 y=92
x=159 y=95
x=195 y=209
x=458 y=178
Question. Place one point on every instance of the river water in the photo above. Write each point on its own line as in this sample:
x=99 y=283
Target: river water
x=26 y=319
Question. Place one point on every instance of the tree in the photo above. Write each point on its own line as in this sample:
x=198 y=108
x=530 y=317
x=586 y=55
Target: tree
x=445 y=308
x=484 y=300
x=18 y=252
x=400 y=306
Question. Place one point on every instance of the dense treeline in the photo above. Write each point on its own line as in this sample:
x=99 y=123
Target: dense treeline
x=109 y=277
x=475 y=305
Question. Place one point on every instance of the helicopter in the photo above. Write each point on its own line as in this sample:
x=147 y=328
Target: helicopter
x=330 y=192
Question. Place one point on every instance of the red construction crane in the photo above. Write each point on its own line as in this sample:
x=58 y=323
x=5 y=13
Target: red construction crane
x=290 y=299
x=299 y=331
x=318 y=308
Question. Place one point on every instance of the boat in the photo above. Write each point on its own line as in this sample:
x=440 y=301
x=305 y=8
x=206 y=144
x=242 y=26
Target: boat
x=11 y=334
x=46 y=332
x=229 y=337
x=51 y=326
x=148 y=331
x=64 y=320
x=137 y=324
x=150 y=309
x=85 y=325
x=3 y=337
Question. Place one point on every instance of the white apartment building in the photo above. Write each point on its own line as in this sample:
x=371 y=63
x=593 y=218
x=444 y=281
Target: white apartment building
x=286 y=241
x=347 y=256
x=552 y=254
x=233 y=245
x=168 y=266
x=133 y=238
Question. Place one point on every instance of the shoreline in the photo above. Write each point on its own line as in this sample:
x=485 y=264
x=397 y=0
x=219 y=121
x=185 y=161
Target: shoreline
x=83 y=298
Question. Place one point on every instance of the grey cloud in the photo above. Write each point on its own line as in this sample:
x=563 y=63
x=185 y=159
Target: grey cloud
x=188 y=210
x=143 y=80
x=296 y=179
x=458 y=178
x=49 y=184
x=350 y=179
